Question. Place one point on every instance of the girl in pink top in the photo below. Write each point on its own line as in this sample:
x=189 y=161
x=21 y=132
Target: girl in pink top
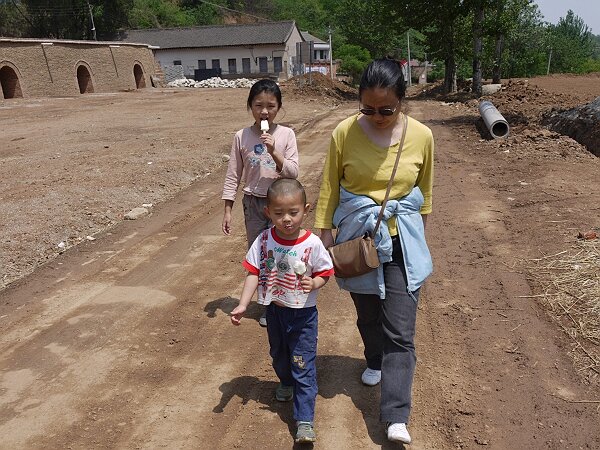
x=259 y=157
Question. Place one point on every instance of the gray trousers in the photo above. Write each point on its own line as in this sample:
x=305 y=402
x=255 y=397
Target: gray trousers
x=254 y=217
x=387 y=328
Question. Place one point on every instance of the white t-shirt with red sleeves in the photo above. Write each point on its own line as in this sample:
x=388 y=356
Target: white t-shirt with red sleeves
x=273 y=259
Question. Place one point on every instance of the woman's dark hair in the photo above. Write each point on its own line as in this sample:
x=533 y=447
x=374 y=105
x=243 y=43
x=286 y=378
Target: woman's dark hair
x=383 y=73
x=264 y=85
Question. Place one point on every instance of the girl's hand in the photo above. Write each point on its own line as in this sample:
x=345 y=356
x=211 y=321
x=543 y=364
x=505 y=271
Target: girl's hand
x=237 y=314
x=269 y=142
x=226 y=225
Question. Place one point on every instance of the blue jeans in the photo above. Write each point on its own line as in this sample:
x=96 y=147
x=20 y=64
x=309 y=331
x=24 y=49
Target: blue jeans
x=387 y=328
x=293 y=340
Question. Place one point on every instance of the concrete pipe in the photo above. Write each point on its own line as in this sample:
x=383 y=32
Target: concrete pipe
x=495 y=123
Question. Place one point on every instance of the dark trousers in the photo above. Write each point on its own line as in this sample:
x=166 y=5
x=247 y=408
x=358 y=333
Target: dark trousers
x=254 y=217
x=293 y=340
x=387 y=328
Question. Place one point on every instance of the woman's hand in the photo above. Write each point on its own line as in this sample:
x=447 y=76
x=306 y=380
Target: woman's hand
x=327 y=238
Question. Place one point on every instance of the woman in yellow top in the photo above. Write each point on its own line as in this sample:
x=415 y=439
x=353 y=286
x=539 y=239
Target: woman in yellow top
x=360 y=161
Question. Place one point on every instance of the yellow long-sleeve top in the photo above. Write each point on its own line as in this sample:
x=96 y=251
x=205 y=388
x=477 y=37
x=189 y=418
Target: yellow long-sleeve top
x=364 y=168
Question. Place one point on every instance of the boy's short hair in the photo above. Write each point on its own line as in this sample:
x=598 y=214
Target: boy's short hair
x=285 y=186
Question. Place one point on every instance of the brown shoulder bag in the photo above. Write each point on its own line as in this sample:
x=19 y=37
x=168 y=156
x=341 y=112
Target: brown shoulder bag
x=359 y=255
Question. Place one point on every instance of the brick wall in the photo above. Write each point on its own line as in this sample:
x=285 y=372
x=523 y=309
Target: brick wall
x=48 y=68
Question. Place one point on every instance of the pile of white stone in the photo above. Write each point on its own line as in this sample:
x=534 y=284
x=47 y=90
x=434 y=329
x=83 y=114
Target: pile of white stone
x=214 y=82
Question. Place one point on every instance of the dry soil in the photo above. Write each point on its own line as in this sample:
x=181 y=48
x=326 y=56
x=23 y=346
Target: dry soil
x=120 y=338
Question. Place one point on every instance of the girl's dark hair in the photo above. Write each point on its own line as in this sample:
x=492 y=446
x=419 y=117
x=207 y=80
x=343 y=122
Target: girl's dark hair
x=383 y=73
x=264 y=85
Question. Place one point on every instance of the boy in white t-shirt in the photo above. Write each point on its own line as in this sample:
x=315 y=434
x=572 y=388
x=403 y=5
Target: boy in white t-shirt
x=288 y=265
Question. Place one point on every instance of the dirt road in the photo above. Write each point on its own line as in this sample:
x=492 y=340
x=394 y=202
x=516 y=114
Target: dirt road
x=125 y=341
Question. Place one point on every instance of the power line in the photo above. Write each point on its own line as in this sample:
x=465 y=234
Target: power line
x=22 y=13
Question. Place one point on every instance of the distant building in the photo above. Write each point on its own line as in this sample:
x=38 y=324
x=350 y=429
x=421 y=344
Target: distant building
x=266 y=49
x=57 y=67
x=313 y=54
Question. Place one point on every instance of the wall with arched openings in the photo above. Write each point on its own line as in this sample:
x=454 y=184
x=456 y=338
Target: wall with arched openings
x=10 y=83
x=56 y=68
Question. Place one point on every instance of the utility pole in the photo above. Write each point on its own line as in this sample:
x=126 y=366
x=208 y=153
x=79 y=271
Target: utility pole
x=330 y=54
x=549 y=59
x=408 y=47
x=92 y=19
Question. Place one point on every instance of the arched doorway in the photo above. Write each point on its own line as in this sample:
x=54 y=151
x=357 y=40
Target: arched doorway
x=138 y=73
x=11 y=88
x=85 y=80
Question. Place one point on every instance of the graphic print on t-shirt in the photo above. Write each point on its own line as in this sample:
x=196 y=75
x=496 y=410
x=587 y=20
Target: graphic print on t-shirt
x=281 y=281
x=273 y=260
x=261 y=157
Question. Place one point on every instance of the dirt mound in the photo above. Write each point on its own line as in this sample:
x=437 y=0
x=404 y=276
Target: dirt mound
x=319 y=87
x=528 y=103
x=522 y=102
x=581 y=123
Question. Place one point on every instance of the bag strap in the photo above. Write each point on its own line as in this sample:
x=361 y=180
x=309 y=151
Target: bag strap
x=389 y=186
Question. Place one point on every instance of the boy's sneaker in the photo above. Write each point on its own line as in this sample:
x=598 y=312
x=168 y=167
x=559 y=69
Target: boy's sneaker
x=371 y=377
x=397 y=432
x=284 y=393
x=263 y=319
x=305 y=433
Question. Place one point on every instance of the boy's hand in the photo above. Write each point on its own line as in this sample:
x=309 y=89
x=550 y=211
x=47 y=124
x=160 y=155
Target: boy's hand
x=307 y=284
x=237 y=314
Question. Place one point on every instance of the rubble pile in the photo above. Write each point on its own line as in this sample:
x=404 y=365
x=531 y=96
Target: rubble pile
x=525 y=103
x=319 y=87
x=214 y=82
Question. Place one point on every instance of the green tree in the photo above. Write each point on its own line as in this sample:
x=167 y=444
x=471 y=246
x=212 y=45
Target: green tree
x=447 y=30
x=159 y=14
x=354 y=60
x=58 y=19
x=308 y=14
x=526 y=48
x=572 y=44
x=110 y=16
x=370 y=25
x=12 y=21
x=501 y=22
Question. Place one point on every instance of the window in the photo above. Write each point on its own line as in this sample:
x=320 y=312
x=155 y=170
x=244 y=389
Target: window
x=246 y=65
x=216 y=63
x=232 y=65
x=201 y=64
x=177 y=62
x=277 y=64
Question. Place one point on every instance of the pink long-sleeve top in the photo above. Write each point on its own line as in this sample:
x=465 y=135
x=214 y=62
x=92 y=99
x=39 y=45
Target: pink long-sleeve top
x=250 y=160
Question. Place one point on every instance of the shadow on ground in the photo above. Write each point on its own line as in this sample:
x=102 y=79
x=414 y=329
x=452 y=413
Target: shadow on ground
x=337 y=375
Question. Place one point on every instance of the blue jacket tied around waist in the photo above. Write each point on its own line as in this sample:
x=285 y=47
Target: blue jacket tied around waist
x=357 y=214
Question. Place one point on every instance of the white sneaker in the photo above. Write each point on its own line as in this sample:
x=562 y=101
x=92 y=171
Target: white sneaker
x=263 y=320
x=371 y=377
x=397 y=432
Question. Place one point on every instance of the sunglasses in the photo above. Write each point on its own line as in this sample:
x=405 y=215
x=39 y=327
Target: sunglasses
x=381 y=111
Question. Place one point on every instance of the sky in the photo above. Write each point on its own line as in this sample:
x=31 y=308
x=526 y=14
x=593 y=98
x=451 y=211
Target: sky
x=588 y=10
